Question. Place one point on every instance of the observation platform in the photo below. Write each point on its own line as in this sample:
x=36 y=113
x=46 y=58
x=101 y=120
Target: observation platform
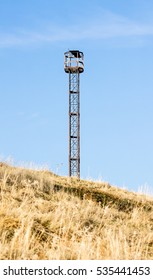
x=74 y=61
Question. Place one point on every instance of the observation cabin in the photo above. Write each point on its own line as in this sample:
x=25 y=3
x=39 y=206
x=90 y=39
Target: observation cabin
x=74 y=61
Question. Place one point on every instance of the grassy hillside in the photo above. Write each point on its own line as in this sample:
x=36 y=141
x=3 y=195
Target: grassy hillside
x=44 y=216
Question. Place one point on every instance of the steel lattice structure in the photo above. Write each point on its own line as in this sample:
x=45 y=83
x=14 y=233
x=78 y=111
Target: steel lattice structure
x=74 y=65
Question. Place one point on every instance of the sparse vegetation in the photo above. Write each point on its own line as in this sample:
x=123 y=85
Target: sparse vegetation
x=44 y=216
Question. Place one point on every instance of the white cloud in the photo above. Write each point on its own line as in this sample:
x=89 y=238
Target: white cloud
x=107 y=26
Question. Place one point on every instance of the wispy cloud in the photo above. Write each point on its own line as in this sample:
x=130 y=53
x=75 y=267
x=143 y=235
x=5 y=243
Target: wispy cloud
x=107 y=26
x=31 y=118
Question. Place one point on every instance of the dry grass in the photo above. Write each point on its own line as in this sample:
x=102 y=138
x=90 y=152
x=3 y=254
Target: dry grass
x=44 y=216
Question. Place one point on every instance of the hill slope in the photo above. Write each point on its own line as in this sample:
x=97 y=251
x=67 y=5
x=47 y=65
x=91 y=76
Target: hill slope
x=44 y=216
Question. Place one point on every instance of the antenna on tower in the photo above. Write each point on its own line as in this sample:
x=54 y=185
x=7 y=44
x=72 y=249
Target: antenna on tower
x=74 y=66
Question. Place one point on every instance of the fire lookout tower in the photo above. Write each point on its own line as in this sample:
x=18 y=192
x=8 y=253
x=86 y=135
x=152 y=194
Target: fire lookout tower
x=74 y=65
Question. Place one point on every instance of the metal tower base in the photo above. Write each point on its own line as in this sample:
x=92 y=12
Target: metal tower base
x=74 y=125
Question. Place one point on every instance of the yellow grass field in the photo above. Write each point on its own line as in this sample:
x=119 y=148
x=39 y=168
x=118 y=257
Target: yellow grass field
x=45 y=216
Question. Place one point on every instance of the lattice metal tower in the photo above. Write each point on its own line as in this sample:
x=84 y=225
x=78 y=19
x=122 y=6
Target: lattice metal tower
x=74 y=65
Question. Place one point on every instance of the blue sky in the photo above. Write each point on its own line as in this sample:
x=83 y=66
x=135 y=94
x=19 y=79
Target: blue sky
x=116 y=87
